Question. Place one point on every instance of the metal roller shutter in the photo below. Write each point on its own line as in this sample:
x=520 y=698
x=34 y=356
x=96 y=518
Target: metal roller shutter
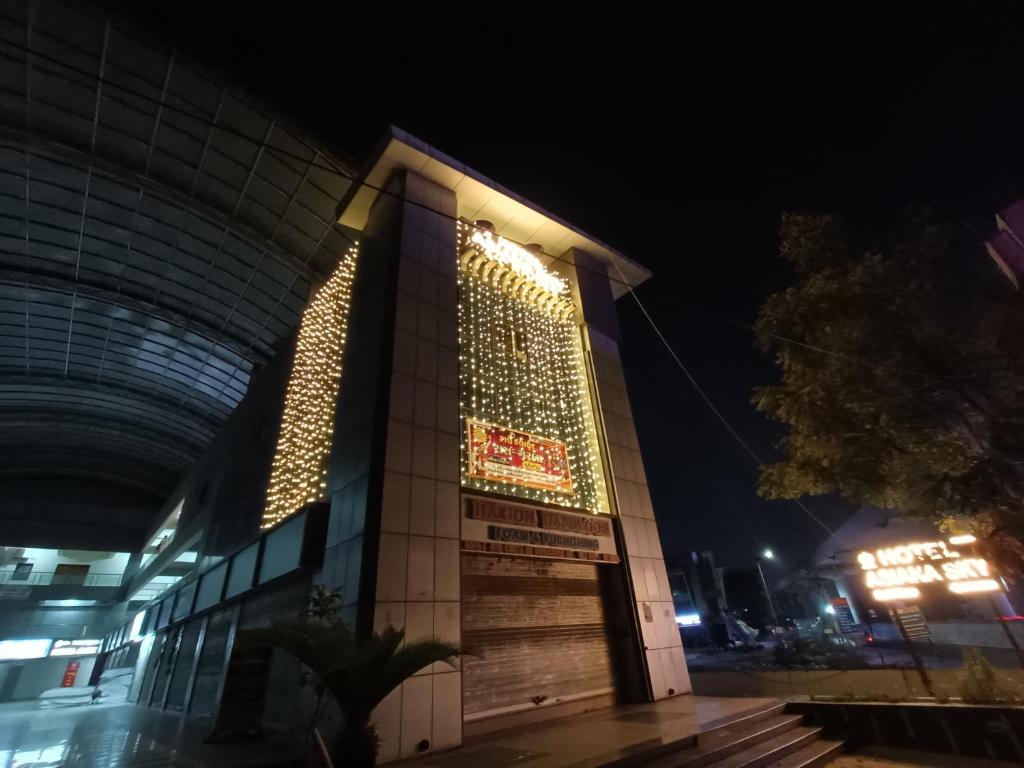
x=533 y=632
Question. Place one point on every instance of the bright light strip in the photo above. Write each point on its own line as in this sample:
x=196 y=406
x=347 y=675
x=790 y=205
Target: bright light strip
x=75 y=647
x=136 y=631
x=967 y=587
x=540 y=387
x=518 y=259
x=28 y=648
x=896 y=593
x=688 y=619
x=298 y=474
x=960 y=540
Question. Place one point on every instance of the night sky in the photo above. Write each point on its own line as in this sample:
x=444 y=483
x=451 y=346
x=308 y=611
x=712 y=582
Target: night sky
x=677 y=134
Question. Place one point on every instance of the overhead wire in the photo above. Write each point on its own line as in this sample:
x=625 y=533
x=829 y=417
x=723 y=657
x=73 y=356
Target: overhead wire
x=710 y=403
x=333 y=169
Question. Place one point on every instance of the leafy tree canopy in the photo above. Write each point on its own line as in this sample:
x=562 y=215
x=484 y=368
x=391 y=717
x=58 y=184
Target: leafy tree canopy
x=901 y=349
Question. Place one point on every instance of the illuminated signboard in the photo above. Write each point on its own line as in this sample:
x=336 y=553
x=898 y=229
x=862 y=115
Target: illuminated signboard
x=505 y=455
x=898 y=573
x=504 y=528
x=75 y=647
x=518 y=259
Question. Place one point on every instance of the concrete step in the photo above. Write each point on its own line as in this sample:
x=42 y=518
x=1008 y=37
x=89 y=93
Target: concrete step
x=814 y=755
x=748 y=718
x=768 y=751
x=729 y=739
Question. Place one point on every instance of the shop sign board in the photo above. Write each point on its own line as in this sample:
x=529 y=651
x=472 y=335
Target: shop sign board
x=506 y=528
x=900 y=572
x=503 y=455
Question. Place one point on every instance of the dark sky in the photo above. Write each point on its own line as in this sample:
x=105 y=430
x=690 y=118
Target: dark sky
x=677 y=133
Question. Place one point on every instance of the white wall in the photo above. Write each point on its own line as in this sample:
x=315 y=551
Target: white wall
x=47 y=560
x=38 y=675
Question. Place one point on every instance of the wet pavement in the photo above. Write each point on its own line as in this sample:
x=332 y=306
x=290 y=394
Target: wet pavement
x=120 y=736
x=594 y=738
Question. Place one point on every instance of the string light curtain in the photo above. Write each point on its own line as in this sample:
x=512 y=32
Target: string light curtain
x=521 y=367
x=298 y=474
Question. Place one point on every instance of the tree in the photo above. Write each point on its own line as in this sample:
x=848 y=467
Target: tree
x=901 y=352
x=357 y=674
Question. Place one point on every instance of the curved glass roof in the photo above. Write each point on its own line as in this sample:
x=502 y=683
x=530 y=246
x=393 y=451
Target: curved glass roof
x=159 y=233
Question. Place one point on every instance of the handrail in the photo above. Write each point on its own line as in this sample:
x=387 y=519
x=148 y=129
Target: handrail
x=52 y=578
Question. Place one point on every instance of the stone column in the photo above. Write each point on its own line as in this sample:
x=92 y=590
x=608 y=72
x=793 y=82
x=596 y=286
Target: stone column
x=416 y=578
x=665 y=665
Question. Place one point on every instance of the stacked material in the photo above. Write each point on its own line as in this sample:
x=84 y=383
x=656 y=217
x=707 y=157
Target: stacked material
x=66 y=697
x=114 y=683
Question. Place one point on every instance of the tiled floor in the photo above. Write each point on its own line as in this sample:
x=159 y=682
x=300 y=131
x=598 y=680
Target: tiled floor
x=126 y=736
x=593 y=738
x=118 y=736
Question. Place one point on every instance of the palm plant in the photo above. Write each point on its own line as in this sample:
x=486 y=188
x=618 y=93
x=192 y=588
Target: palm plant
x=357 y=674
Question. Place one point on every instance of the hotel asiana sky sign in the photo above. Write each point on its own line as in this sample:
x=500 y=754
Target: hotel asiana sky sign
x=900 y=572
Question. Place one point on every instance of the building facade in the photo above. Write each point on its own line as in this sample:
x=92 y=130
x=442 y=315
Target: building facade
x=252 y=367
x=493 y=496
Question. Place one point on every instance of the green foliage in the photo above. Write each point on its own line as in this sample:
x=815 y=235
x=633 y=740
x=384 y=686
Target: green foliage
x=356 y=673
x=901 y=351
x=978 y=683
x=807 y=653
x=323 y=604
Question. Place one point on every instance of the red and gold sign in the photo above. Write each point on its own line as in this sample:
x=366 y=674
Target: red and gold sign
x=505 y=455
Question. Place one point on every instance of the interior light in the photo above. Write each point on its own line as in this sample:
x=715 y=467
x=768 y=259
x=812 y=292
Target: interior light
x=28 y=648
x=896 y=593
x=968 y=587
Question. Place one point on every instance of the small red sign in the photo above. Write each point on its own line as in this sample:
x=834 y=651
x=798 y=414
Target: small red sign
x=70 y=673
x=504 y=455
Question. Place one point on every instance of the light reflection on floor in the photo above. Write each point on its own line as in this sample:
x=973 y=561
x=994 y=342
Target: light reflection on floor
x=118 y=736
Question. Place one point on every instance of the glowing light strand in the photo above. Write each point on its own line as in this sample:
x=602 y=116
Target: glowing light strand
x=298 y=474
x=543 y=390
x=518 y=259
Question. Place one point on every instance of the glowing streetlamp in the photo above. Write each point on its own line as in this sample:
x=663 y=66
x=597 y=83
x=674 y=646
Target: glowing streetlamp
x=767 y=554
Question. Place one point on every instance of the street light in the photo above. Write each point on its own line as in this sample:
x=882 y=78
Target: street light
x=768 y=555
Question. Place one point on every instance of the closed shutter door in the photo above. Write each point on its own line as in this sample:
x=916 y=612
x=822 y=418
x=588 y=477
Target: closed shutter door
x=177 y=689
x=210 y=667
x=533 y=631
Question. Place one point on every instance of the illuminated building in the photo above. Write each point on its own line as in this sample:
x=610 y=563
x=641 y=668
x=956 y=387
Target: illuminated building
x=281 y=369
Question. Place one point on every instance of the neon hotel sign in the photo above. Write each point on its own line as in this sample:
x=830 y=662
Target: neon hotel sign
x=897 y=573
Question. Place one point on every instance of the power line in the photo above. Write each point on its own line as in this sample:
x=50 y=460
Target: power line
x=344 y=174
x=823 y=350
x=710 y=403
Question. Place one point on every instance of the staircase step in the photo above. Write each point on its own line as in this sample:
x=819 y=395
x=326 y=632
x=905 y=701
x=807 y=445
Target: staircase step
x=766 y=752
x=728 y=739
x=814 y=755
x=749 y=718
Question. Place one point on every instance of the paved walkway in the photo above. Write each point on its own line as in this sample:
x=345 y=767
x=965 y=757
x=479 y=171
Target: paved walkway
x=591 y=739
x=119 y=736
x=879 y=757
x=126 y=736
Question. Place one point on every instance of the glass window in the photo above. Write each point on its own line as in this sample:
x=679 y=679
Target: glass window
x=210 y=587
x=183 y=605
x=282 y=549
x=242 y=566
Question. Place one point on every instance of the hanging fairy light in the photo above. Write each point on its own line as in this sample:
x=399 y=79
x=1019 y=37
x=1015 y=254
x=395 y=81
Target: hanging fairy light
x=298 y=474
x=521 y=365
